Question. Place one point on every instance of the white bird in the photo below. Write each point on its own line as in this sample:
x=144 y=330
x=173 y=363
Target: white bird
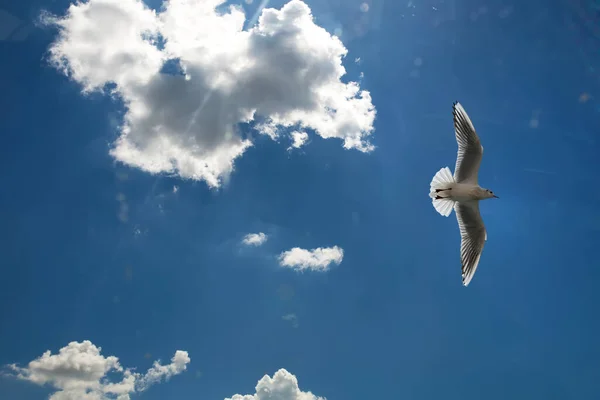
x=462 y=193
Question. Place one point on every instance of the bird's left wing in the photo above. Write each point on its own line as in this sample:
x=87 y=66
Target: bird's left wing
x=473 y=237
x=470 y=150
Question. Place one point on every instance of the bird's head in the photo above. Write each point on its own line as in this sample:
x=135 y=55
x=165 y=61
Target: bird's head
x=489 y=194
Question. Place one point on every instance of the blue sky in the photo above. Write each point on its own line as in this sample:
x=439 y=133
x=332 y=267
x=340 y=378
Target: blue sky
x=93 y=249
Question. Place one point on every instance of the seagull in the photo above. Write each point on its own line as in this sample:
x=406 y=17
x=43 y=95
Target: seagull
x=462 y=193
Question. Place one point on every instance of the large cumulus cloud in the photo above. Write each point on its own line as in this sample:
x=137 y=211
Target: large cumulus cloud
x=195 y=83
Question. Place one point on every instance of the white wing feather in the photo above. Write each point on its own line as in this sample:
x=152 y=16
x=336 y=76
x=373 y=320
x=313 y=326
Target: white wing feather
x=473 y=236
x=470 y=150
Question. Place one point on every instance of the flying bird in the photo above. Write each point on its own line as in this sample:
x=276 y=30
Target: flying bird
x=462 y=193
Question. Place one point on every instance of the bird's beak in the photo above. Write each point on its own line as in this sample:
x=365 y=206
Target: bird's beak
x=496 y=197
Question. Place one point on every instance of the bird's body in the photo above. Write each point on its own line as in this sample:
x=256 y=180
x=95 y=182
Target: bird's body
x=462 y=193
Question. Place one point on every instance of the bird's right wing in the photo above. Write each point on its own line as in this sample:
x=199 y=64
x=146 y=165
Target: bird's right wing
x=470 y=150
x=473 y=237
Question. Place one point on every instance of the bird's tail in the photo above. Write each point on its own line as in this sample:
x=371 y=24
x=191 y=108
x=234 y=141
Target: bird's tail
x=443 y=179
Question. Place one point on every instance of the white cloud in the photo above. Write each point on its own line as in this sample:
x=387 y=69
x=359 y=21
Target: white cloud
x=285 y=72
x=292 y=318
x=79 y=372
x=255 y=239
x=298 y=139
x=318 y=259
x=159 y=372
x=282 y=386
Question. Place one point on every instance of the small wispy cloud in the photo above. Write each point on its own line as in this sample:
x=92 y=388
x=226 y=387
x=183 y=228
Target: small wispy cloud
x=292 y=318
x=299 y=139
x=123 y=208
x=319 y=259
x=255 y=239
